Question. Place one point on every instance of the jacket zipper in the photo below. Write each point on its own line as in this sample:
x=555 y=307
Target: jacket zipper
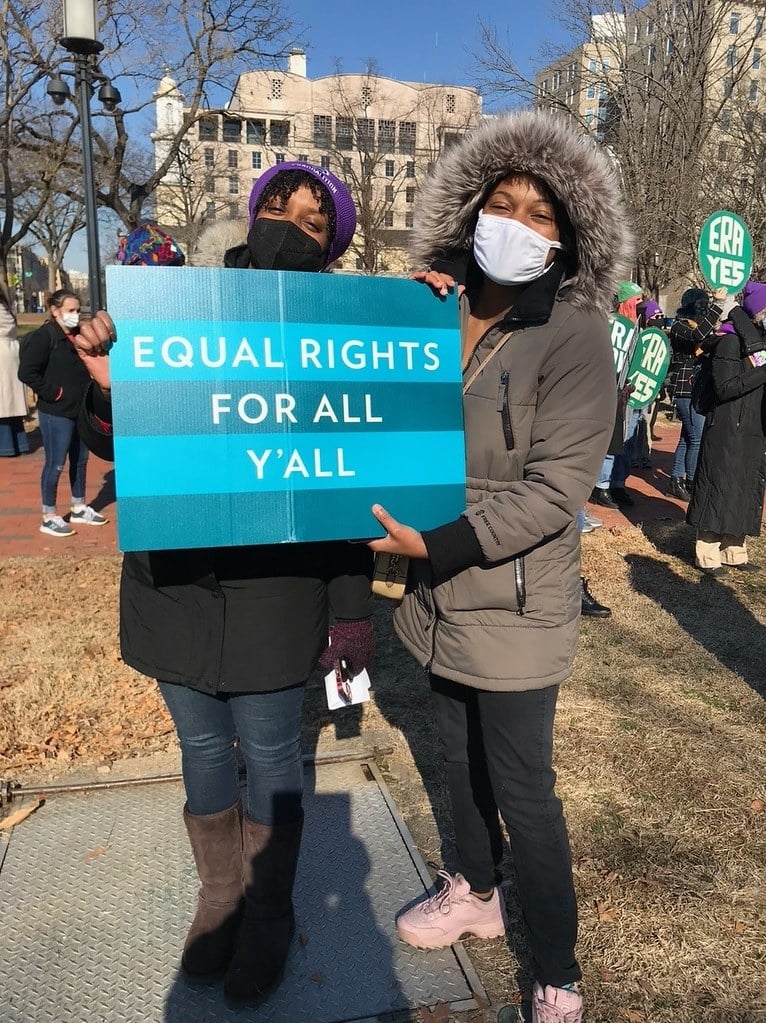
x=520 y=575
x=504 y=410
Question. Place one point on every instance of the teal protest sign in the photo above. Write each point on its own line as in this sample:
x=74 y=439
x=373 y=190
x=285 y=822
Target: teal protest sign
x=623 y=333
x=725 y=251
x=648 y=367
x=277 y=407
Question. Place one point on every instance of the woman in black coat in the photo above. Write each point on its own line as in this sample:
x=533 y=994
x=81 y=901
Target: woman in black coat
x=727 y=500
x=50 y=366
x=232 y=634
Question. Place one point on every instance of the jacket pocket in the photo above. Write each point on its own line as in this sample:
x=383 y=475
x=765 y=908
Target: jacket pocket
x=504 y=409
x=520 y=576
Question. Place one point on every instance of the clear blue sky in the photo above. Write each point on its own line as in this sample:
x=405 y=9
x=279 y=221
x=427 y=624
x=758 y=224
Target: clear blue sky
x=407 y=40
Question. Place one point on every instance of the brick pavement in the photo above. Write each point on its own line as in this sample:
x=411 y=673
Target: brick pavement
x=20 y=535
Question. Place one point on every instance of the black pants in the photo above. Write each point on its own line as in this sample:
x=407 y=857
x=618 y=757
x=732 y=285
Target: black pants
x=498 y=749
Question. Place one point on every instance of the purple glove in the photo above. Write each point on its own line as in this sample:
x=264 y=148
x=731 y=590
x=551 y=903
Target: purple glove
x=352 y=641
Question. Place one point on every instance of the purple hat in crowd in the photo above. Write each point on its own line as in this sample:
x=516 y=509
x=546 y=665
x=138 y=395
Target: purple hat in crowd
x=345 y=212
x=650 y=309
x=754 y=297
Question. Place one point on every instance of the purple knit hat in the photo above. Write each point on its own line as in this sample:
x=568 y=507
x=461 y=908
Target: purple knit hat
x=345 y=212
x=754 y=297
x=650 y=309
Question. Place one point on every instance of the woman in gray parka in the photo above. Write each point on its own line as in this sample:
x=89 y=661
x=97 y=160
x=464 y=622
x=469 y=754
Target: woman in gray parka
x=526 y=217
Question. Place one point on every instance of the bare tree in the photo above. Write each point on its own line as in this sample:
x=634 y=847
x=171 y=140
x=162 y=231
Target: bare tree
x=665 y=79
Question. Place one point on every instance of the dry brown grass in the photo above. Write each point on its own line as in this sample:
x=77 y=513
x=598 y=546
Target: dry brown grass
x=660 y=752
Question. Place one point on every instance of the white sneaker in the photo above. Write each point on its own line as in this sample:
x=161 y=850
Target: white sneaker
x=55 y=526
x=89 y=516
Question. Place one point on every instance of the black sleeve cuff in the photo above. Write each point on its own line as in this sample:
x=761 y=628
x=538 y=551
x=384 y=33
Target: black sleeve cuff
x=452 y=548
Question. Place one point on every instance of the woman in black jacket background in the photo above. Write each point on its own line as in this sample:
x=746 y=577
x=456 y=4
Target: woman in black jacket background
x=727 y=501
x=50 y=365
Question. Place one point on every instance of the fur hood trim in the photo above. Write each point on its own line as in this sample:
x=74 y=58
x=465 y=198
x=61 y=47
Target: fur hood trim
x=216 y=240
x=570 y=162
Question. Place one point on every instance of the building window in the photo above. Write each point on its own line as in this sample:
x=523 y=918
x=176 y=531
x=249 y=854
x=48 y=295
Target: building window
x=389 y=193
x=734 y=22
x=556 y=79
x=731 y=56
x=303 y=158
x=757 y=54
x=209 y=183
x=724 y=118
x=387 y=136
x=255 y=133
x=569 y=97
x=210 y=210
x=232 y=159
x=322 y=131
x=749 y=120
x=279 y=158
x=590 y=92
x=365 y=133
x=232 y=129
x=210 y=158
x=650 y=54
x=650 y=26
x=233 y=186
x=279 y=133
x=345 y=163
x=276 y=88
x=409 y=219
x=409 y=169
x=407 y=136
x=571 y=72
x=366 y=95
x=256 y=161
x=388 y=218
x=635 y=32
x=728 y=87
x=234 y=210
x=758 y=27
x=409 y=194
x=344 y=132
x=450 y=103
x=389 y=168
x=325 y=162
x=753 y=93
x=722 y=152
x=669 y=47
x=208 y=129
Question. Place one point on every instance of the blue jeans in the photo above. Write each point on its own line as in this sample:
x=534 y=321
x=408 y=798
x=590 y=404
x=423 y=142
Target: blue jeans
x=605 y=475
x=688 y=447
x=61 y=440
x=269 y=729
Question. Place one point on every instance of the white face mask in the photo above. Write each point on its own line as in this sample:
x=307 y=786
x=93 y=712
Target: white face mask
x=70 y=320
x=510 y=252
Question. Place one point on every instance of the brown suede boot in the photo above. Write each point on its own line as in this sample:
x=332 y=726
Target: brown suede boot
x=216 y=841
x=270 y=860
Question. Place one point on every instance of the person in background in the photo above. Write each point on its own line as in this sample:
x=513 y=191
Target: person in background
x=627 y=298
x=50 y=365
x=650 y=314
x=13 y=401
x=692 y=336
x=494 y=597
x=232 y=635
x=727 y=500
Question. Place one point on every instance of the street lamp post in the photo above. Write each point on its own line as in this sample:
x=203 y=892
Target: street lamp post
x=79 y=38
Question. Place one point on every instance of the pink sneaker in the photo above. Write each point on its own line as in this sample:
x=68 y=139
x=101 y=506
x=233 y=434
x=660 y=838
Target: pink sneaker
x=556 y=1005
x=453 y=911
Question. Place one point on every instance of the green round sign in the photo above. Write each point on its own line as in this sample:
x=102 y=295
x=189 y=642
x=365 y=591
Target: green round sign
x=623 y=332
x=648 y=367
x=725 y=251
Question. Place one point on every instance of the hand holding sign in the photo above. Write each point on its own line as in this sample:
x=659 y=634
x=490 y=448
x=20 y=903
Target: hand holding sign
x=725 y=251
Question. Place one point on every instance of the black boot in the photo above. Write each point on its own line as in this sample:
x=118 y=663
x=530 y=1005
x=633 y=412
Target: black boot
x=603 y=497
x=216 y=841
x=678 y=489
x=269 y=860
x=590 y=606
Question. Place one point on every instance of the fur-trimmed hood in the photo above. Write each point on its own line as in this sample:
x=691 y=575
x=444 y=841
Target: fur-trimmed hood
x=570 y=162
x=216 y=240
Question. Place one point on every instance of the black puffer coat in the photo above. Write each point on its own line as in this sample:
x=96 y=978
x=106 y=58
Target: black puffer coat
x=731 y=471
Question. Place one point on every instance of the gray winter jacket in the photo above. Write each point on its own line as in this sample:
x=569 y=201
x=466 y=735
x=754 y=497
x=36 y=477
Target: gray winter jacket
x=496 y=606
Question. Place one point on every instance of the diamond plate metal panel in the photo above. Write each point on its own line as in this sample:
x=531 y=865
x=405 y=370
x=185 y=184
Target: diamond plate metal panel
x=97 y=891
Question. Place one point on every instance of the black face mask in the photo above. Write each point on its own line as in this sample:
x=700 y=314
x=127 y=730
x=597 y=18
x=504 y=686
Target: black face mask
x=280 y=245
